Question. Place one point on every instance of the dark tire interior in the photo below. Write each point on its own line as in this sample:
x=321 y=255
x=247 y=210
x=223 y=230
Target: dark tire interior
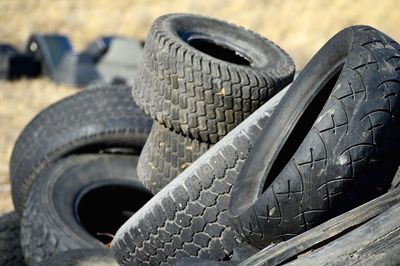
x=219 y=51
x=301 y=129
x=102 y=210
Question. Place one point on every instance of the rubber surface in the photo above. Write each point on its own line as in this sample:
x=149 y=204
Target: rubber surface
x=81 y=257
x=188 y=217
x=298 y=177
x=78 y=201
x=89 y=121
x=202 y=77
x=10 y=248
x=165 y=155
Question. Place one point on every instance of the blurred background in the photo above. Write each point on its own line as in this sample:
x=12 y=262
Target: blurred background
x=300 y=27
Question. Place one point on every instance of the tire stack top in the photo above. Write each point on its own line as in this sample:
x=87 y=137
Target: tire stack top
x=199 y=79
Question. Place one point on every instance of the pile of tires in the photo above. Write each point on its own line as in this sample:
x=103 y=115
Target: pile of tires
x=240 y=167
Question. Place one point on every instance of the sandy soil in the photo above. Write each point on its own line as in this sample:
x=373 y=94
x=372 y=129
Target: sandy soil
x=299 y=27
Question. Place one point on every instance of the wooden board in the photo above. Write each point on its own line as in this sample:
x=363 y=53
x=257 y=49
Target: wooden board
x=326 y=232
x=377 y=242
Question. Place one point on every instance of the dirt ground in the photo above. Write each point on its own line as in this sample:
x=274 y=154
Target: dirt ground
x=299 y=27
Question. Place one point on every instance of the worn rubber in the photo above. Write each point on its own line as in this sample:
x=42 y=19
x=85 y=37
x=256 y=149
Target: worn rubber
x=53 y=220
x=165 y=155
x=89 y=121
x=81 y=257
x=318 y=157
x=198 y=94
x=188 y=217
x=10 y=248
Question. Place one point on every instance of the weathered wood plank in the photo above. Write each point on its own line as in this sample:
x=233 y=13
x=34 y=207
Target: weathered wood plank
x=376 y=242
x=396 y=180
x=327 y=231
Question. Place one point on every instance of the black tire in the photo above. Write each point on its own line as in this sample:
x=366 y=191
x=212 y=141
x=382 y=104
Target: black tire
x=327 y=142
x=188 y=217
x=89 y=121
x=165 y=155
x=80 y=202
x=202 y=77
x=10 y=248
x=81 y=257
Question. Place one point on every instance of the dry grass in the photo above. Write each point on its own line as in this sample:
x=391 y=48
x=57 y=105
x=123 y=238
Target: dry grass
x=300 y=27
x=20 y=102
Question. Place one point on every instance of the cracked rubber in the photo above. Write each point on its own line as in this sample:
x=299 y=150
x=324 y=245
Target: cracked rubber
x=205 y=93
x=81 y=257
x=188 y=217
x=333 y=134
x=54 y=219
x=165 y=155
x=87 y=122
x=10 y=248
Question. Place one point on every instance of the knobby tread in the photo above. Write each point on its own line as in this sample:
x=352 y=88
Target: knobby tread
x=188 y=217
x=337 y=164
x=89 y=120
x=10 y=248
x=196 y=94
x=165 y=155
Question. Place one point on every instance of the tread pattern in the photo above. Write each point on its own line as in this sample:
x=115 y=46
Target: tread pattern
x=92 y=118
x=188 y=217
x=10 y=248
x=337 y=164
x=165 y=155
x=197 y=95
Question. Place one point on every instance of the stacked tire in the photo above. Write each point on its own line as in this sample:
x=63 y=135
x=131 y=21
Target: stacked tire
x=73 y=167
x=199 y=79
x=278 y=173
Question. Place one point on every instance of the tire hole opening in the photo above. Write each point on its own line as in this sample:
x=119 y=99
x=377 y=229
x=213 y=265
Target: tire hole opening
x=102 y=210
x=301 y=129
x=219 y=51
